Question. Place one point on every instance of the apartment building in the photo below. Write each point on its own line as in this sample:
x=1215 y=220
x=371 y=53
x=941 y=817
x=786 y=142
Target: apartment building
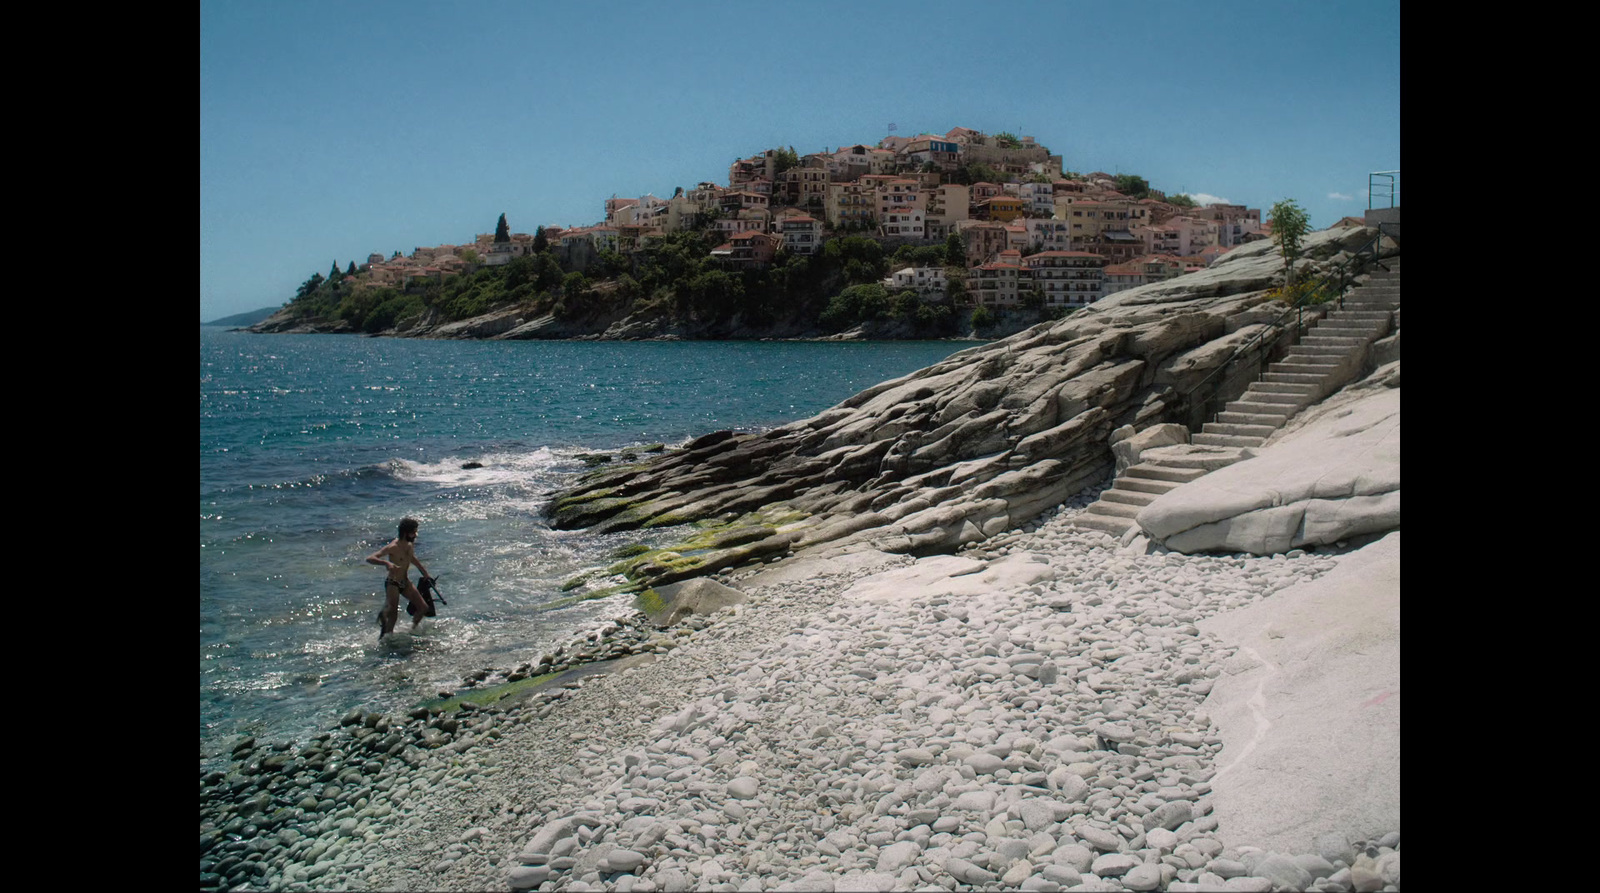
x=1067 y=278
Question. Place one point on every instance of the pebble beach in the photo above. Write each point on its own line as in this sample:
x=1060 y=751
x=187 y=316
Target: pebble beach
x=1027 y=714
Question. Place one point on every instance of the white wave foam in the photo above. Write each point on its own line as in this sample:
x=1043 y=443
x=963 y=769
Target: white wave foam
x=493 y=469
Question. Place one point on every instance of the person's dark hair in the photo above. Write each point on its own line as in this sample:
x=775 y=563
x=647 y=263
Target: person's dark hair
x=408 y=525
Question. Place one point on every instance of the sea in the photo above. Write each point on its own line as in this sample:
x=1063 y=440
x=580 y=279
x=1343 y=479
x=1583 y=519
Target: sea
x=314 y=447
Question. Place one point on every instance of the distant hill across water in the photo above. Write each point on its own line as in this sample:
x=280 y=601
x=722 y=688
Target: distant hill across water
x=243 y=319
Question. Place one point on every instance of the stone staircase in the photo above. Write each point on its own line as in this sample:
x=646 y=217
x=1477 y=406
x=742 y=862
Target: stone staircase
x=1329 y=356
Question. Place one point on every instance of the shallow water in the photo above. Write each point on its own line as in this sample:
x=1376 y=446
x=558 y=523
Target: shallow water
x=313 y=447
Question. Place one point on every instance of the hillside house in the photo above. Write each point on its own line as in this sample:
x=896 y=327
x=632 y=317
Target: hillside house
x=947 y=205
x=982 y=241
x=903 y=224
x=1067 y=278
x=929 y=283
x=801 y=234
x=747 y=250
x=996 y=284
x=850 y=205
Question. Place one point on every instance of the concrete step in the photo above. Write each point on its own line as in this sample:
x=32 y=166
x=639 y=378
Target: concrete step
x=1248 y=418
x=1348 y=339
x=1296 y=358
x=1152 y=471
x=1306 y=364
x=1320 y=372
x=1207 y=458
x=1292 y=378
x=1272 y=409
x=1226 y=440
x=1153 y=486
x=1361 y=310
x=1365 y=309
x=1345 y=348
x=1238 y=430
x=1116 y=526
x=1285 y=387
x=1127 y=497
x=1350 y=326
x=1115 y=509
x=1251 y=395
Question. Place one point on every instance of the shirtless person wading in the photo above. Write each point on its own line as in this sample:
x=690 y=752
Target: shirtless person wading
x=398 y=557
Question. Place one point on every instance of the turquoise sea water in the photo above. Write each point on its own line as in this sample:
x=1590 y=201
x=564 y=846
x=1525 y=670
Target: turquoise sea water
x=313 y=447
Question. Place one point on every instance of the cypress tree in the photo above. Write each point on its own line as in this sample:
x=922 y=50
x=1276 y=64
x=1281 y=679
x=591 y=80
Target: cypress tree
x=502 y=232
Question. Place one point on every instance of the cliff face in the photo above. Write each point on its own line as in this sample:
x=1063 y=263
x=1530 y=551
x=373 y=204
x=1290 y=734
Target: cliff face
x=974 y=445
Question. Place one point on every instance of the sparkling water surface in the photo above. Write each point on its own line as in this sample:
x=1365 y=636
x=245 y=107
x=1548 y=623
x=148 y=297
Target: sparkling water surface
x=313 y=447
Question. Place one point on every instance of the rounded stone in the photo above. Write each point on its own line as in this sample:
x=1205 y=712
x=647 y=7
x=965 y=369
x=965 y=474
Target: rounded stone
x=1114 y=865
x=743 y=788
x=1162 y=839
x=1389 y=868
x=985 y=763
x=1099 y=838
x=526 y=877
x=1144 y=876
x=622 y=860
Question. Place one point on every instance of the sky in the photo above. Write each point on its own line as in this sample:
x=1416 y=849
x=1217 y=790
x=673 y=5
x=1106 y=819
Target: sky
x=331 y=131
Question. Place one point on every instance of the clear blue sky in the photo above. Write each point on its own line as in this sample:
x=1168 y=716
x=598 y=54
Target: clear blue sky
x=329 y=131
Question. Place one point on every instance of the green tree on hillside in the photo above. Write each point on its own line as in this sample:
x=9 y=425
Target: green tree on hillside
x=310 y=286
x=1132 y=185
x=1289 y=227
x=785 y=159
x=541 y=242
x=1006 y=140
x=955 y=251
x=502 y=232
x=975 y=172
x=955 y=288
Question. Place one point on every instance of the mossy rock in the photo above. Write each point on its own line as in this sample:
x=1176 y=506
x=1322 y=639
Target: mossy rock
x=650 y=602
x=671 y=603
x=589 y=596
x=494 y=694
x=582 y=498
x=578 y=581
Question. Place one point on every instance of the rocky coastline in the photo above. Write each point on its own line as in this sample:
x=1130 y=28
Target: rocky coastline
x=932 y=674
x=1030 y=714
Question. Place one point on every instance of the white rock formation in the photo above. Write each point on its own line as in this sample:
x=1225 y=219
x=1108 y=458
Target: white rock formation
x=1333 y=479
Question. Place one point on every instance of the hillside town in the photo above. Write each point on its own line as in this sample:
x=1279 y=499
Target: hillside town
x=1028 y=230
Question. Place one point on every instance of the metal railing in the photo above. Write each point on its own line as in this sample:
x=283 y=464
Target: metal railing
x=1383 y=184
x=1330 y=286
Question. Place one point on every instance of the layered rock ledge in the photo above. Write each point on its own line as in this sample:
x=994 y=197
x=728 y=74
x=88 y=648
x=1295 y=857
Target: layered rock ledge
x=972 y=446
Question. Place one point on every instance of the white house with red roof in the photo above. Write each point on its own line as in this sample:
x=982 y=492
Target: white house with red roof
x=905 y=223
